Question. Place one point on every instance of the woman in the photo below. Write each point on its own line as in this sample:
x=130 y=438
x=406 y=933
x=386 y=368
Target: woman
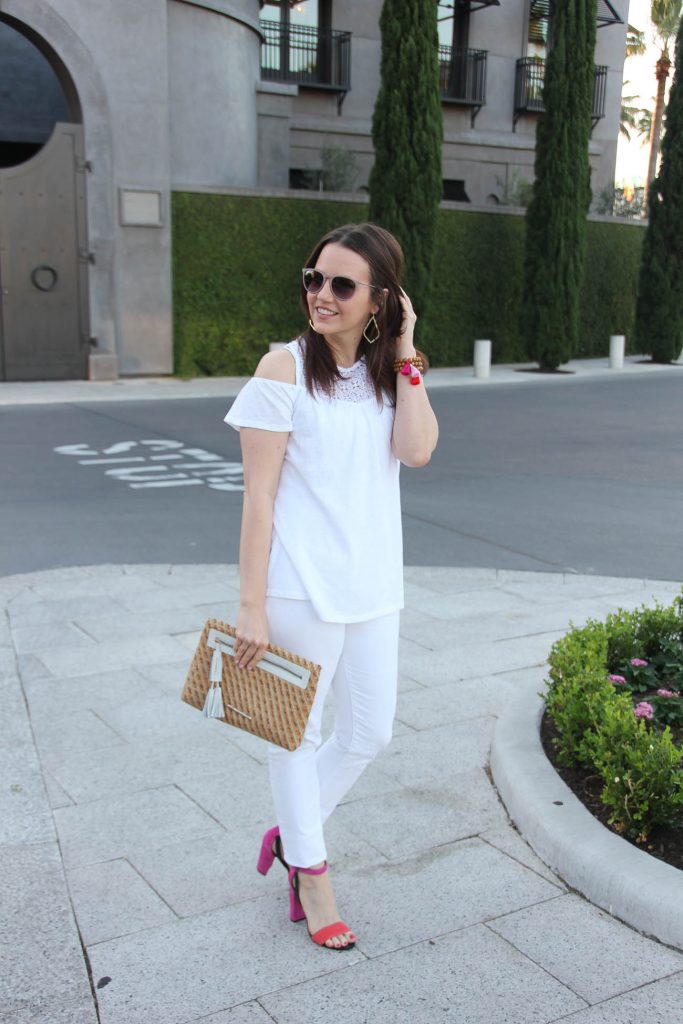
x=324 y=425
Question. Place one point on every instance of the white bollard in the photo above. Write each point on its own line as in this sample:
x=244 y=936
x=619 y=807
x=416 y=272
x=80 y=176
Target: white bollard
x=617 y=344
x=482 y=359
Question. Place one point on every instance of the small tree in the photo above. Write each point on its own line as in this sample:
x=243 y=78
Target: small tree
x=659 y=310
x=556 y=217
x=515 y=190
x=339 y=169
x=407 y=132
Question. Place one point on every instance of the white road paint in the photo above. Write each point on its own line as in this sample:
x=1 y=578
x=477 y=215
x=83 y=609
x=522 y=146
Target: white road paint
x=158 y=466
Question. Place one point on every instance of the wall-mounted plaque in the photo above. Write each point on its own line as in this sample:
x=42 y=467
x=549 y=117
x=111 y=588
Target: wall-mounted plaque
x=140 y=207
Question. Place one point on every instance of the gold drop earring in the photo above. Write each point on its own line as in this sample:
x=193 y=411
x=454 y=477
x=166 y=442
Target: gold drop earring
x=372 y=321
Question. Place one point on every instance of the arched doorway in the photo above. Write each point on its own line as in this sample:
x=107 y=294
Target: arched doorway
x=44 y=331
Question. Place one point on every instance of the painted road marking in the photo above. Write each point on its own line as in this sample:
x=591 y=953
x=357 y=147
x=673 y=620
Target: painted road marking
x=202 y=468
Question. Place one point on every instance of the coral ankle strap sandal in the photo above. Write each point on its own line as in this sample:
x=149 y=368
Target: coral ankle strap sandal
x=297 y=913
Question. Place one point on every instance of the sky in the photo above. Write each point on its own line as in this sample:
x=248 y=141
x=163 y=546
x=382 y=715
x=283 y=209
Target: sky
x=640 y=73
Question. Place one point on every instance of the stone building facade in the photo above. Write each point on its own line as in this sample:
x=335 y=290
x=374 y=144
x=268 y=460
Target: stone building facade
x=106 y=108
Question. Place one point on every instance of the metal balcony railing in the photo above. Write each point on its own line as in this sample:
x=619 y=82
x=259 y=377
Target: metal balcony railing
x=462 y=77
x=529 y=81
x=301 y=54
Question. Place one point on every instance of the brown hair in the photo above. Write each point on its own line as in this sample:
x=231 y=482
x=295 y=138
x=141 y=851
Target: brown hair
x=384 y=256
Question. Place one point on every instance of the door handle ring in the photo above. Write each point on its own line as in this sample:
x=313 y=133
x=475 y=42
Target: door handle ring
x=44 y=277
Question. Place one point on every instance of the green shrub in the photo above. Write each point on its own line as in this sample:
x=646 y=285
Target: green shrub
x=577 y=709
x=515 y=190
x=640 y=763
x=578 y=689
x=237 y=260
x=641 y=632
x=669 y=662
x=339 y=168
x=642 y=771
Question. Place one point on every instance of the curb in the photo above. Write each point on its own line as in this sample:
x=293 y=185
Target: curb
x=628 y=883
x=147 y=387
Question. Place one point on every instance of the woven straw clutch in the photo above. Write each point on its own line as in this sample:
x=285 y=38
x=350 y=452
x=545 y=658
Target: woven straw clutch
x=272 y=701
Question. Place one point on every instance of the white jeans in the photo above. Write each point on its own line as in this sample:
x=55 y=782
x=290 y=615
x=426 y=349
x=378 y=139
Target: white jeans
x=360 y=661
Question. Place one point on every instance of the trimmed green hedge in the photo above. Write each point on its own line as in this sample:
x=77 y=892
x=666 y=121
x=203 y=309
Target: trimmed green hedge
x=236 y=263
x=477 y=288
x=610 y=284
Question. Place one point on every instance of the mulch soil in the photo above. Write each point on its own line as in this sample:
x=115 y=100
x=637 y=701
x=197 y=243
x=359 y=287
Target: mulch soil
x=664 y=843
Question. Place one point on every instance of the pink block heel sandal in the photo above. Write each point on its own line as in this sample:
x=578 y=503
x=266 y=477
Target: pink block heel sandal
x=271 y=847
x=297 y=912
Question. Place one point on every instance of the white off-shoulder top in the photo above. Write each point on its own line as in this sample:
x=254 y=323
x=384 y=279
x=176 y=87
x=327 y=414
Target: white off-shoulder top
x=337 y=537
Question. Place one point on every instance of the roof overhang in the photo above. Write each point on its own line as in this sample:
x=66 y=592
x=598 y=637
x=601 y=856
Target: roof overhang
x=606 y=12
x=607 y=15
x=472 y=5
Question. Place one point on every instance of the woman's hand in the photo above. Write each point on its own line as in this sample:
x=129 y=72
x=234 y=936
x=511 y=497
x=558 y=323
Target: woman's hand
x=251 y=638
x=404 y=342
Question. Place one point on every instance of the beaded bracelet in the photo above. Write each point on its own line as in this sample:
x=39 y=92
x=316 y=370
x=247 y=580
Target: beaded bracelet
x=415 y=360
x=408 y=368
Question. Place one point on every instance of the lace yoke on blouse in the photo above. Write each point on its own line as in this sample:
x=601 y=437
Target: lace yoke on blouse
x=356 y=386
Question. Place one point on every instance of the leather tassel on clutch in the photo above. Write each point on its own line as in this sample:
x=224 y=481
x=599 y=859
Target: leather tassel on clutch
x=272 y=699
x=213 y=705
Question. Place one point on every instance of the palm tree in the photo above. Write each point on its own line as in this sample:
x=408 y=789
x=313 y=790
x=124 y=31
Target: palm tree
x=666 y=17
x=635 y=42
x=629 y=115
x=643 y=125
x=635 y=119
x=635 y=47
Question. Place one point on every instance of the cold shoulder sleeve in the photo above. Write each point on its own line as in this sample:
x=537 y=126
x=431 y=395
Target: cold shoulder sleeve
x=264 y=403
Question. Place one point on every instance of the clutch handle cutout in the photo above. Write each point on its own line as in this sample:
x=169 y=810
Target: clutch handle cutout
x=288 y=671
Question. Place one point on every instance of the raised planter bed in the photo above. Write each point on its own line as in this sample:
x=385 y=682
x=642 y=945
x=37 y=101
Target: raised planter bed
x=614 y=873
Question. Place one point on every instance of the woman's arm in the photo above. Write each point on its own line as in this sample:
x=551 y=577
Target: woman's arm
x=416 y=430
x=263 y=452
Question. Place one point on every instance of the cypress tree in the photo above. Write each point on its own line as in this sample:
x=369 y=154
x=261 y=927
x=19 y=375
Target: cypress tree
x=659 y=310
x=556 y=216
x=407 y=132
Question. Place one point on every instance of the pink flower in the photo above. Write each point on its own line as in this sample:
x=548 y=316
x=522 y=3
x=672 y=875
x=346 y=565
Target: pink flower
x=638 y=663
x=617 y=680
x=665 y=693
x=643 y=710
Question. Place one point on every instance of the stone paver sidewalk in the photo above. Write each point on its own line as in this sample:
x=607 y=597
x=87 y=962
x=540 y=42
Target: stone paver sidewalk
x=131 y=825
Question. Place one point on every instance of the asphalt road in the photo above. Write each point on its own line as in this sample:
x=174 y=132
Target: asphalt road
x=582 y=476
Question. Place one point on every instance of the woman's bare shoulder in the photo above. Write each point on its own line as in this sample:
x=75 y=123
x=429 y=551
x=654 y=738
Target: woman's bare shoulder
x=277 y=365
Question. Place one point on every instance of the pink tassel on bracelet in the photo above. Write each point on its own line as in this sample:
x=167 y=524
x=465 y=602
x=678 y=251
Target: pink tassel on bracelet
x=409 y=369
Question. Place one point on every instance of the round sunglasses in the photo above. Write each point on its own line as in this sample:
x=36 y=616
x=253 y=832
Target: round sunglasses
x=342 y=287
